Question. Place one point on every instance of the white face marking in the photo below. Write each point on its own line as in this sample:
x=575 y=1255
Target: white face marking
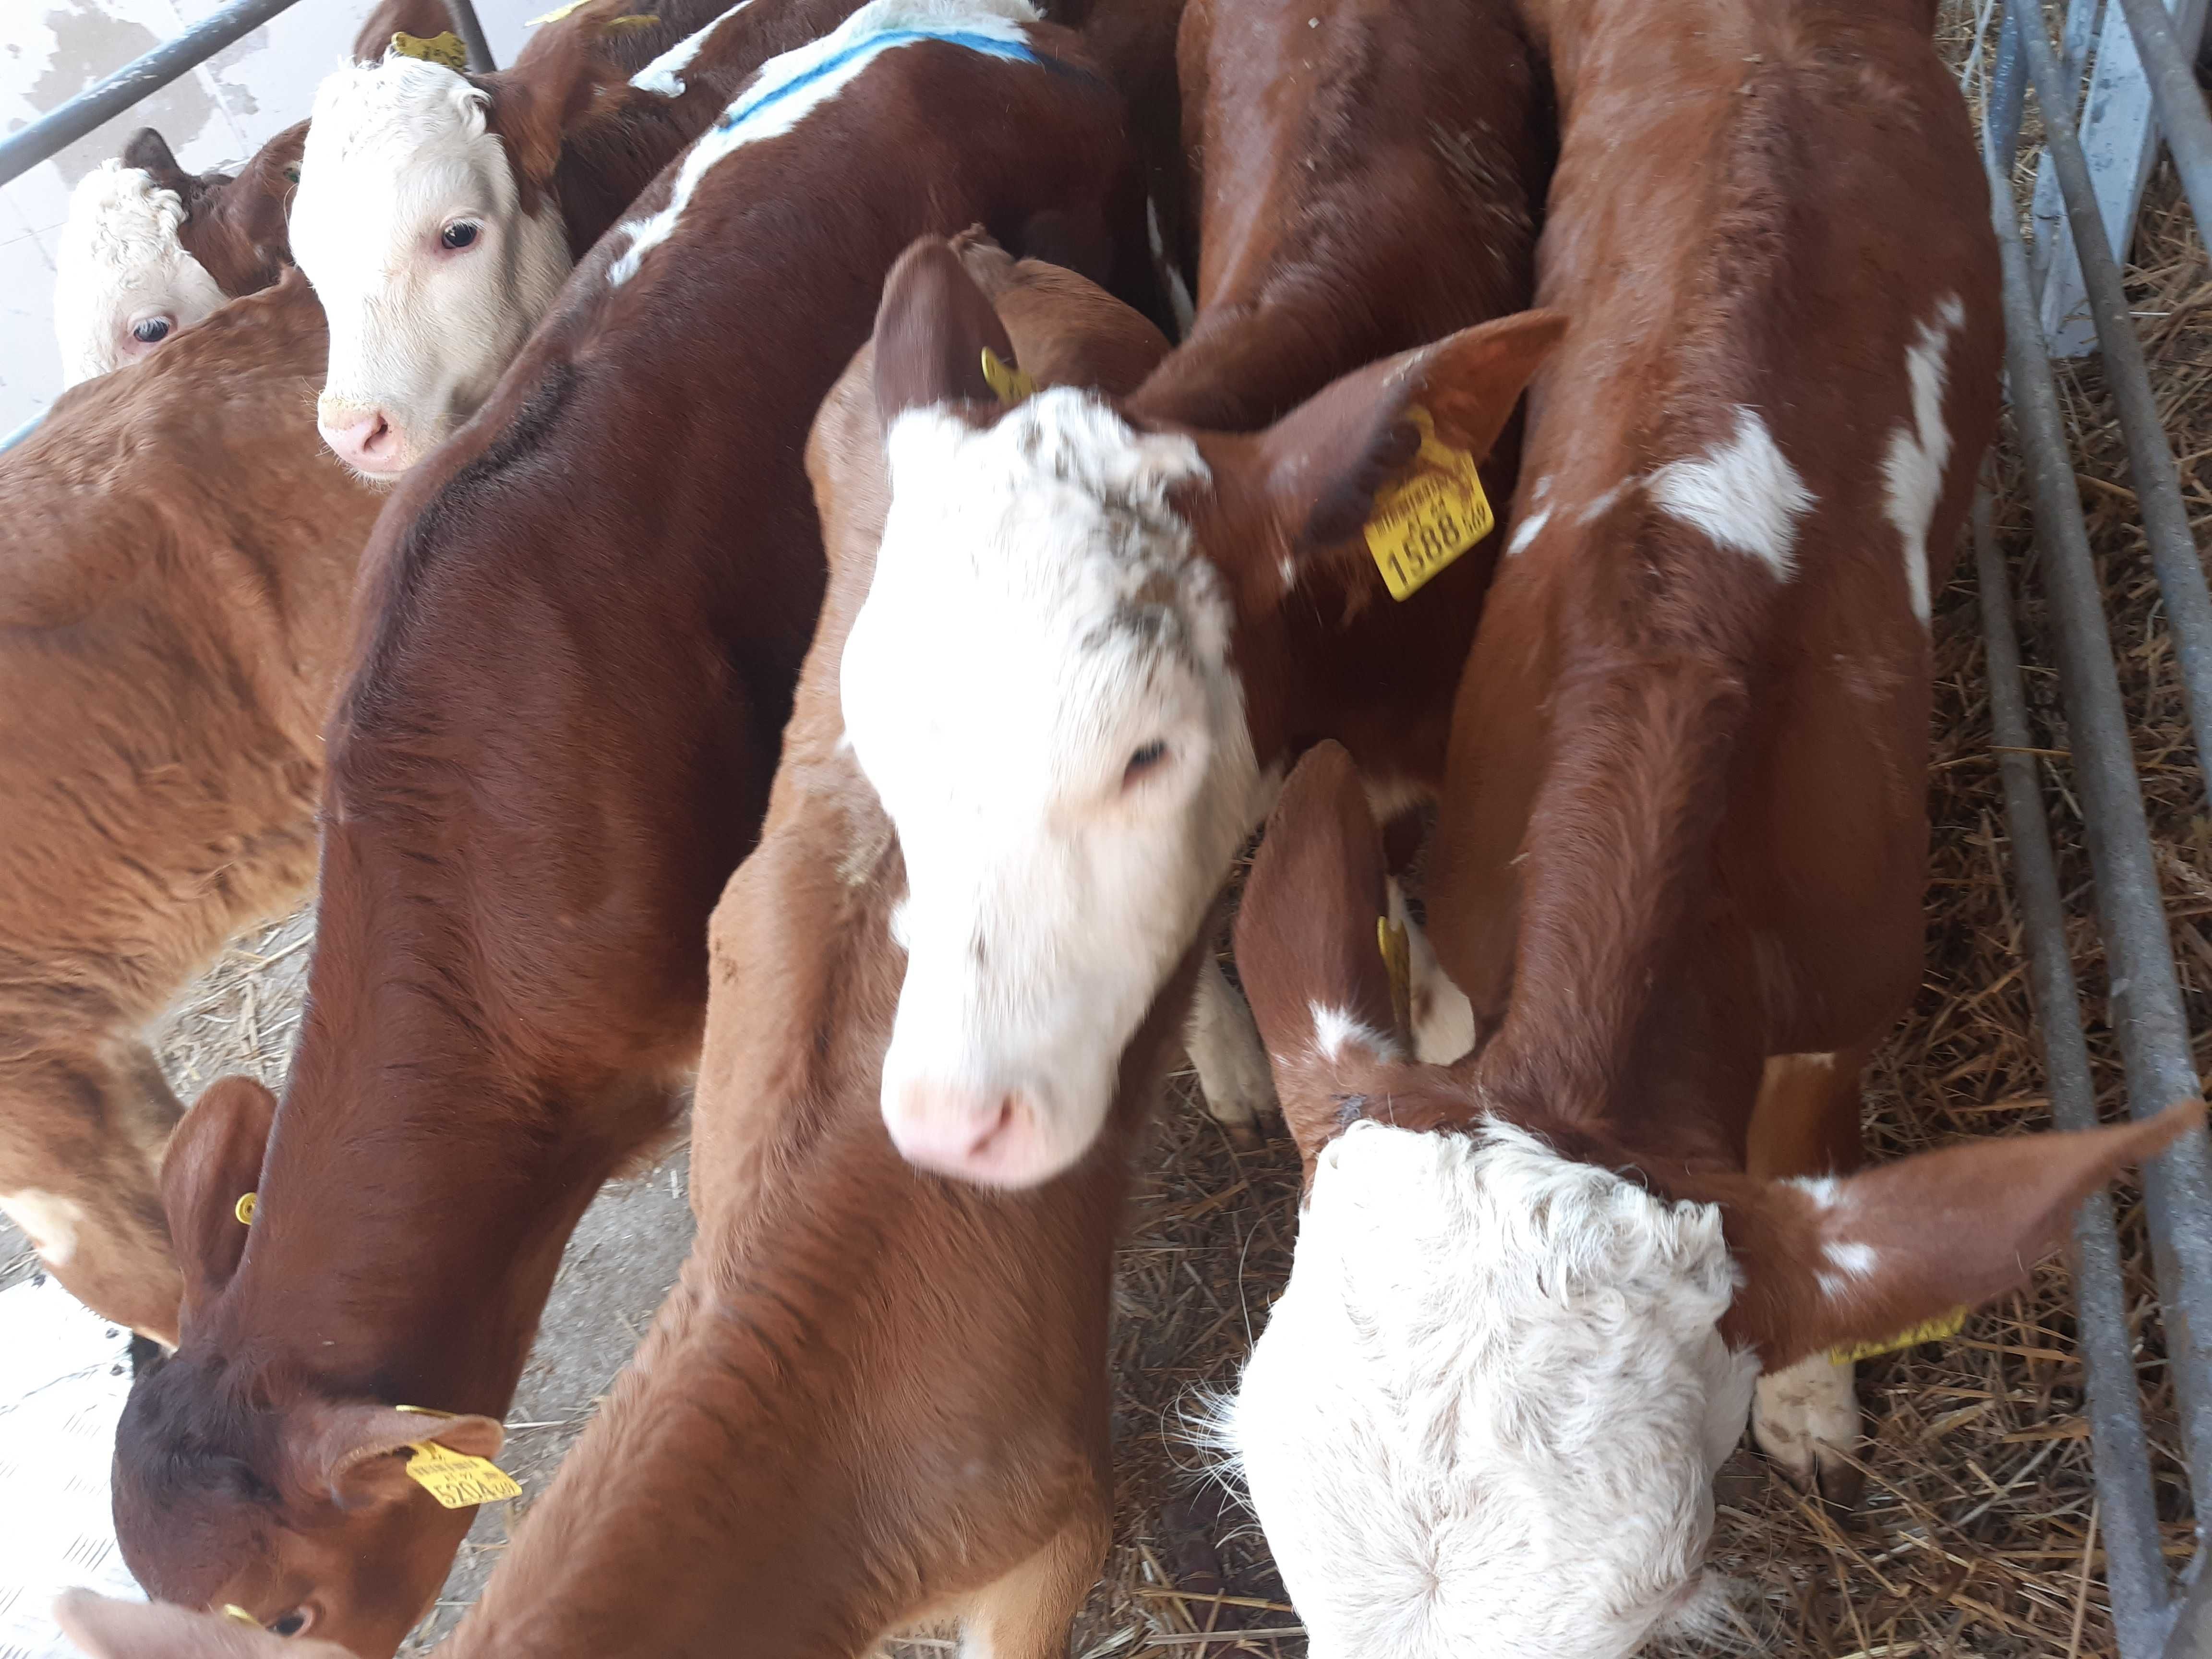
x=1040 y=689
x=398 y=163
x=1920 y=450
x=664 y=74
x=124 y=283
x=1527 y=531
x=51 y=1221
x=1484 y=1416
x=789 y=89
x=1743 y=494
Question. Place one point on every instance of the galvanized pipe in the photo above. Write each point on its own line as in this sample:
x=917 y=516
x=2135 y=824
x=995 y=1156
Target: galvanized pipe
x=464 y=14
x=2180 y=105
x=98 y=105
x=2150 y=458
x=2145 y=992
x=2192 y=1623
x=2135 y=1568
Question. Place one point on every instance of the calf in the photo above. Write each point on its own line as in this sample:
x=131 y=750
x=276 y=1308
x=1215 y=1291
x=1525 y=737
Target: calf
x=1100 y=628
x=1678 y=865
x=580 y=636
x=176 y=552
x=873 y=1395
x=439 y=213
x=149 y=249
x=1519 y=1335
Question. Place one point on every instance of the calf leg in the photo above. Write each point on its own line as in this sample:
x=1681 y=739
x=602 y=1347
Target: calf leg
x=1026 y=1614
x=1806 y=1416
x=81 y=1144
x=1224 y=1047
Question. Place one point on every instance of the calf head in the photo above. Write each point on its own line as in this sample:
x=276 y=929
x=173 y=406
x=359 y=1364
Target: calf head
x=124 y=283
x=427 y=221
x=238 y=1487
x=1486 y=1414
x=1061 y=687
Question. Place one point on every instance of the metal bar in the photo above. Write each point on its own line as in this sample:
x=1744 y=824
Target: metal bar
x=2180 y=105
x=2192 y=1623
x=2007 y=98
x=22 y=433
x=2150 y=458
x=2145 y=992
x=21 y=151
x=2134 y=1569
x=464 y=14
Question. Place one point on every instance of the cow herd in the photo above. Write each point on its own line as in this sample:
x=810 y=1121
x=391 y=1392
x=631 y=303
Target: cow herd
x=779 y=557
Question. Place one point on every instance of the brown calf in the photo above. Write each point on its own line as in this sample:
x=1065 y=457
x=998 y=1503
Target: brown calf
x=1370 y=172
x=1678 y=870
x=582 y=627
x=176 y=552
x=874 y=1395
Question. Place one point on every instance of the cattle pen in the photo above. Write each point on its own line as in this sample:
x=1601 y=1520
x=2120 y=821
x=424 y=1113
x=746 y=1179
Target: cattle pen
x=2032 y=1484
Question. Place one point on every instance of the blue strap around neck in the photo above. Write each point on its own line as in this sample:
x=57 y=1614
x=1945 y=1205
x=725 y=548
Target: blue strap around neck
x=989 y=45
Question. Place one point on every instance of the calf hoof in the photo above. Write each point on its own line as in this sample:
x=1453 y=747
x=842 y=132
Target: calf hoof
x=1805 y=1418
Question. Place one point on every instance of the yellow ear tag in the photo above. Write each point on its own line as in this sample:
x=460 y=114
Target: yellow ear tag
x=1935 y=1330
x=457 y=1479
x=556 y=14
x=1421 y=526
x=1009 y=383
x=633 y=22
x=1398 y=957
x=244 y=1210
x=232 y=1610
x=445 y=49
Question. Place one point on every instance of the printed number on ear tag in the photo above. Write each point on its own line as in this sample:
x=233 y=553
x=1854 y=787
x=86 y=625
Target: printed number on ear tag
x=244 y=1209
x=445 y=49
x=457 y=1479
x=1421 y=526
x=1933 y=1330
x=1008 y=383
x=1398 y=957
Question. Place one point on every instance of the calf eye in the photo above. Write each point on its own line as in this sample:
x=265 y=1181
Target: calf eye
x=150 y=330
x=291 y=1624
x=457 y=236
x=1143 y=762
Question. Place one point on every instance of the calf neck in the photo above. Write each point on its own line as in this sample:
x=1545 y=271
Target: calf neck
x=579 y=633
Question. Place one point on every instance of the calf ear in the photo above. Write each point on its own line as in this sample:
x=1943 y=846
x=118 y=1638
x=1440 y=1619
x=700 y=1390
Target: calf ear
x=346 y=1451
x=534 y=104
x=148 y=150
x=1312 y=478
x=108 y=1629
x=1869 y=1257
x=1308 y=951
x=932 y=330
x=213 y=1160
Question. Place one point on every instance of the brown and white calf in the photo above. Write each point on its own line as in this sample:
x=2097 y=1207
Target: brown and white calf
x=1678 y=869
x=175 y=555
x=1101 y=628
x=579 y=633
x=874 y=1395
x=439 y=213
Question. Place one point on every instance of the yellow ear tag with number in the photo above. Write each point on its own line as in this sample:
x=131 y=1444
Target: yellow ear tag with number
x=456 y=1480
x=244 y=1209
x=445 y=49
x=1008 y=383
x=1933 y=1330
x=1421 y=526
x=1398 y=957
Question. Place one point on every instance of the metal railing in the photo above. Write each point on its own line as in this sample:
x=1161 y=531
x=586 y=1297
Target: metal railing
x=2151 y=1616
x=99 y=104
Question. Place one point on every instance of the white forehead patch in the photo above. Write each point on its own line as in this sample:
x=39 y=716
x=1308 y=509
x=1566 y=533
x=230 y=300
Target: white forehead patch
x=1744 y=494
x=790 y=88
x=120 y=258
x=1484 y=1416
x=1920 y=449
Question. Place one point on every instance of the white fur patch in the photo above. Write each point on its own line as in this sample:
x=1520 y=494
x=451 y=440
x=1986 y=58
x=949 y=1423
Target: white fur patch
x=1037 y=620
x=120 y=264
x=1484 y=1416
x=1920 y=450
x=1334 y=1028
x=51 y=1222
x=790 y=88
x=1599 y=506
x=664 y=74
x=1527 y=531
x=1848 y=1262
x=1743 y=494
x=396 y=152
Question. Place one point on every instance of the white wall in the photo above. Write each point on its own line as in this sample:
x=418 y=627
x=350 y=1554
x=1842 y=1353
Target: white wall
x=215 y=116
